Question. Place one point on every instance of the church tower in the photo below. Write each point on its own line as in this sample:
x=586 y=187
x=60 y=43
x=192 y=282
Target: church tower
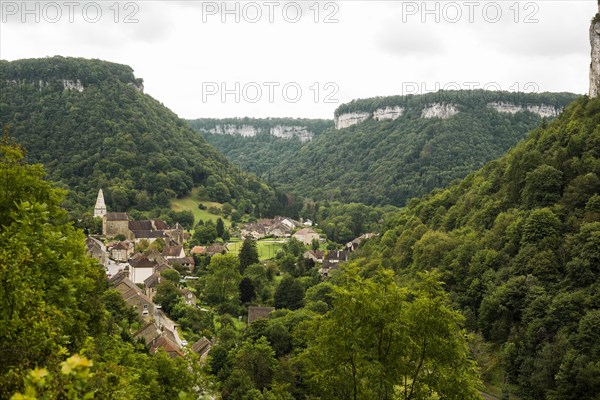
x=100 y=209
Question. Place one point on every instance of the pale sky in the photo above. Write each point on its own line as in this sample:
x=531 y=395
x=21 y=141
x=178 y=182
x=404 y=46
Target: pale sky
x=303 y=59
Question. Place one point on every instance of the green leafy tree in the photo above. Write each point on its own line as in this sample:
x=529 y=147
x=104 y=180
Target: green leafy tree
x=50 y=290
x=171 y=275
x=167 y=295
x=223 y=280
x=248 y=254
x=289 y=294
x=220 y=227
x=205 y=234
x=382 y=341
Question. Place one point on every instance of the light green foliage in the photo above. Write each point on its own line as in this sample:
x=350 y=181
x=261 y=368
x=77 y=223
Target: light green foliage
x=49 y=288
x=55 y=302
x=71 y=383
x=382 y=341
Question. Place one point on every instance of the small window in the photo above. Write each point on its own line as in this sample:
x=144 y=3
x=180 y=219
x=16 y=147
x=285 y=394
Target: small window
x=145 y=306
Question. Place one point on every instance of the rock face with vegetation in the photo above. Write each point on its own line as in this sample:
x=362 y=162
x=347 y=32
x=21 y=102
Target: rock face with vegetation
x=595 y=64
x=394 y=148
x=285 y=128
x=91 y=125
x=518 y=246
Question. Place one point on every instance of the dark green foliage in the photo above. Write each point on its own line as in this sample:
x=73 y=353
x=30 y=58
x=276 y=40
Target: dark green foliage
x=220 y=228
x=247 y=290
x=114 y=137
x=517 y=243
x=248 y=254
x=389 y=162
x=55 y=302
x=289 y=294
x=167 y=295
x=205 y=234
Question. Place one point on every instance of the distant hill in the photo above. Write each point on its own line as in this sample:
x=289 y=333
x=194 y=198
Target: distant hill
x=91 y=125
x=387 y=150
x=518 y=246
x=285 y=128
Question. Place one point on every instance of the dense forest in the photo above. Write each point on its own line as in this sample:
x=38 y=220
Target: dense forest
x=63 y=334
x=389 y=162
x=92 y=127
x=518 y=246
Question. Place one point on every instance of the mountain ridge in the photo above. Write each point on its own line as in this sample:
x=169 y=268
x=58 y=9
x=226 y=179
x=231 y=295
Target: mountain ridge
x=91 y=125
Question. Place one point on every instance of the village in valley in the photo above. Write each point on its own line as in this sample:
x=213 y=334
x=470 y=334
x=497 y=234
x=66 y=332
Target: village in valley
x=139 y=256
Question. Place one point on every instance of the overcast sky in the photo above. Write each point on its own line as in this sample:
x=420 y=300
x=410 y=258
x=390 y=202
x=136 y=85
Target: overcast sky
x=303 y=59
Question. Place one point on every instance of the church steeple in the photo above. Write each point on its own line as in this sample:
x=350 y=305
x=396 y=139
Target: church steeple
x=100 y=209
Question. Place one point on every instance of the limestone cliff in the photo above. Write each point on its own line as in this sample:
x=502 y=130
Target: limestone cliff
x=595 y=64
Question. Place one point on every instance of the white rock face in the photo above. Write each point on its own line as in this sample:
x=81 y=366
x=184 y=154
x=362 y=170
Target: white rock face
x=543 y=110
x=72 y=85
x=388 y=113
x=439 y=110
x=595 y=65
x=140 y=87
x=280 y=131
x=349 y=119
x=241 y=130
x=289 y=132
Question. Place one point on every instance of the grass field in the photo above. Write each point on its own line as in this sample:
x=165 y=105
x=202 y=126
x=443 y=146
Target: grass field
x=189 y=203
x=266 y=248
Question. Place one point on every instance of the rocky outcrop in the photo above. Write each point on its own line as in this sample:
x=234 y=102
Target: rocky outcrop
x=67 y=84
x=241 y=130
x=72 y=85
x=280 y=131
x=139 y=87
x=289 y=132
x=595 y=64
x=349 y=119
x=543 y=110
x=439 y=110
x=388 y=113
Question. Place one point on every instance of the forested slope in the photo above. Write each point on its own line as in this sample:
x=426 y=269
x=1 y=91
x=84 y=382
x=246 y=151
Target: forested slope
x=518 y=245
x=390 y=161
x=92 y=127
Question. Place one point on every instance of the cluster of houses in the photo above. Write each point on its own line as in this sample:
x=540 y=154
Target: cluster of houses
x=331 y=259
x=278 y=227
x=157 y=331
x=137 y=276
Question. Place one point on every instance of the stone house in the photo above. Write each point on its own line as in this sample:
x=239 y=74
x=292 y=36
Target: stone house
x=141 y=268
x=95 y=249
x=116 y=223
x=132 y=294
x=188 y=296
x=202 y=347
x=151 y=284
x=120 y=251
x=170 y=252
x=306 y=236
x=317 y=256
x=255 y=313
